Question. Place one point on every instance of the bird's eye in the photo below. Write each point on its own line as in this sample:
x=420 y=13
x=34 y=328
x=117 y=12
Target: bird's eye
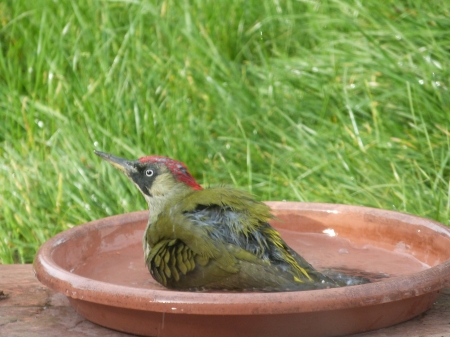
x=149 y=173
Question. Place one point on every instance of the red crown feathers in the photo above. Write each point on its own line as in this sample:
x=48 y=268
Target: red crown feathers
x=178 y=169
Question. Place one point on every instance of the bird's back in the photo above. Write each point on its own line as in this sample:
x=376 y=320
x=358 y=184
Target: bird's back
x=230 y=242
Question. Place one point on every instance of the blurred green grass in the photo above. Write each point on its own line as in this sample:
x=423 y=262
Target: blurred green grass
x=322 y=101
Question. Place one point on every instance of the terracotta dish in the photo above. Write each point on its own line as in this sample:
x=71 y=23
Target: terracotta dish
x=99 y=266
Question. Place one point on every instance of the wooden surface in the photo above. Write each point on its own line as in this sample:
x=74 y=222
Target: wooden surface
x=27 y=308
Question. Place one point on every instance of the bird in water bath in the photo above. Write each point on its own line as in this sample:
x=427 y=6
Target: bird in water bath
x=212 y=238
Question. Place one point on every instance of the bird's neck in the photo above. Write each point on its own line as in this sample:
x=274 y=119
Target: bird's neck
x=157 y=203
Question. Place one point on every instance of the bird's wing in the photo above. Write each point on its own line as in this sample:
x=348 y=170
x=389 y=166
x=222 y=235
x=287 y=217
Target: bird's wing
x=175 y=226
x=235 y=217
x=170 y=260
x=221 y=238
x=183 y=248
x=175 y=265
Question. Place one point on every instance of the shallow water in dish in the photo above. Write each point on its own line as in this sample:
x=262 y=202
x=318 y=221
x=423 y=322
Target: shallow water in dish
x=331 y=254
x=337 y=253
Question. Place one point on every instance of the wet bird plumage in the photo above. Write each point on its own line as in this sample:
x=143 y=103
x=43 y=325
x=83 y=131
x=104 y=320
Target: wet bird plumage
x=213 y=239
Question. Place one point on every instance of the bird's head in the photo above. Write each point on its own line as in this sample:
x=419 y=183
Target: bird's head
x=154 y=175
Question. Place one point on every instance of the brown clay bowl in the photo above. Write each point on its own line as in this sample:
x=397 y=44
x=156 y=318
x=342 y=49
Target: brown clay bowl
x=99 y=267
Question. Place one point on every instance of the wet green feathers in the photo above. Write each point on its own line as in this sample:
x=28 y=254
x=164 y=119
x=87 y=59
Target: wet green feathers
x=211 y=239
x=219 y=238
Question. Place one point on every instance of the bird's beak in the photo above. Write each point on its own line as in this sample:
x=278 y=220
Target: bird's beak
x=119 y=163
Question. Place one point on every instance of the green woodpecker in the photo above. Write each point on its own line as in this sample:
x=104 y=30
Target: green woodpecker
x=211 y=239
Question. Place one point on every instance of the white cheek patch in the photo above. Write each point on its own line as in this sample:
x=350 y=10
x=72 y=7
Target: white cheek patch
x=162 y=184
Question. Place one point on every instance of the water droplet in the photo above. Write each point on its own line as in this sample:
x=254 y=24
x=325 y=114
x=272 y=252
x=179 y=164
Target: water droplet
x=106 y=208
x=66 y=29
x=329 y=231
x=437 y=64
x=421 y=82
x=95 y=143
